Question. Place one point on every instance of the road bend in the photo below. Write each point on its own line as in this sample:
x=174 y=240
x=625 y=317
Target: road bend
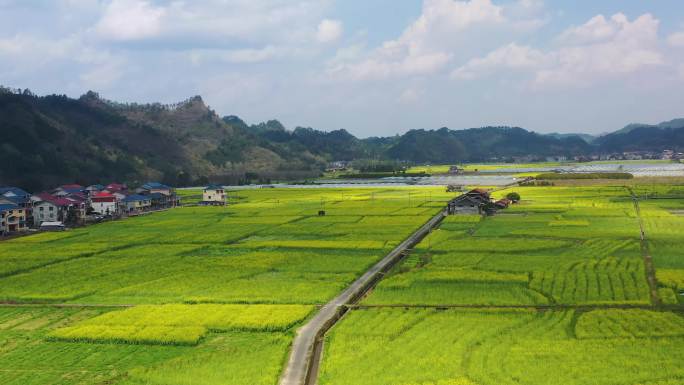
x=302 y=364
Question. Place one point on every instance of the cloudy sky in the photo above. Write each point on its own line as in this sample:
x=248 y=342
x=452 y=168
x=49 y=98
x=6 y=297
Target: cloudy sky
x=373 y=67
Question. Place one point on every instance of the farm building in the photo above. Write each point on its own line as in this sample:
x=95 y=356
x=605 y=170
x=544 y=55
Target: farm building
x=214 y=195
x=472 y=202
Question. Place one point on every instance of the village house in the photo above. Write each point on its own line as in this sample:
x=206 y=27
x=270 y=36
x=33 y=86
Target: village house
x=79 y=205
x=476 y=201
x=12 y=219
x=136 y=204
x=94 y=188
x=20 y=198
x=115 y=187
x=213 y=195
x=161 y=195
x=50 y=208
x=104 y=203
x=67 y=189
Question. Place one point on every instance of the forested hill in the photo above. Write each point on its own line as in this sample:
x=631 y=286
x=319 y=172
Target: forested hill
x=51 y=140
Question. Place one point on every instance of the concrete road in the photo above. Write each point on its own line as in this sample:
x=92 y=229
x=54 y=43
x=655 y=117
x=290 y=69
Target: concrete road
x=302 y=348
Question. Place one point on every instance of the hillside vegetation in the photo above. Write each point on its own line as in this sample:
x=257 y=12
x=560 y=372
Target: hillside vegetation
x=54 y=139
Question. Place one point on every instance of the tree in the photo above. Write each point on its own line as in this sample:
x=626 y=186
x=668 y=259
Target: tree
x=513 y=196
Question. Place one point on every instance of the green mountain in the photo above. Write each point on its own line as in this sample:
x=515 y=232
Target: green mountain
x=644 y=137
x=52 y=140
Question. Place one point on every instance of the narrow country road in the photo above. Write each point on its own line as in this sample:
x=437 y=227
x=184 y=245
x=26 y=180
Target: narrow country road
x=298 y=366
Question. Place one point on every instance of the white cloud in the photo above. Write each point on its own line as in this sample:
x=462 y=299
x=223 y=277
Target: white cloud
x=599 y=49
x=329 y=31
x=445 y=30
x=598 y=28
x=512 y=56
x=214 y=23
x=130 y=20
x=676 y=39
x=608 y=49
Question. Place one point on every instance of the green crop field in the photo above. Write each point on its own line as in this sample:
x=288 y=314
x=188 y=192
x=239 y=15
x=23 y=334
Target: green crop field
x=213 y=294
x=553 y=290
x=504 y=347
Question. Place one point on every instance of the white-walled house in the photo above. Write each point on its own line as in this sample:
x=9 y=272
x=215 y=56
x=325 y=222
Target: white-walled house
x=214 y=195
x=47 y=211
x=104 y=203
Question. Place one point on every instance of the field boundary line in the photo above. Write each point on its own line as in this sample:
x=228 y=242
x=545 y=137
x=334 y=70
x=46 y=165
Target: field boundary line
x=514 y=307
x=306 y=347
x=648 y=259
x=63 y=305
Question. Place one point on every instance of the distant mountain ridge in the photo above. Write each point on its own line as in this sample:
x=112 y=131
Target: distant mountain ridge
x=51 y=140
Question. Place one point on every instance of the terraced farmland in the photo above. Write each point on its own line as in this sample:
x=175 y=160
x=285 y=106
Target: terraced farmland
x=213 y=295
x=552 y=291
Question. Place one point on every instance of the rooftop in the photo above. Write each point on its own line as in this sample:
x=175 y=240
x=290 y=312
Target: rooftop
x=5 y=207
x=136 y=198
x=155 y=186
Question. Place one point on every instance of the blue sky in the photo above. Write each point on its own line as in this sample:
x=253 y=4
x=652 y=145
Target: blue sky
x=377 y=67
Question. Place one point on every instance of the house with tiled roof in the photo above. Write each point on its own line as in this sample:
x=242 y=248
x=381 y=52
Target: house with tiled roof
x=473 y=202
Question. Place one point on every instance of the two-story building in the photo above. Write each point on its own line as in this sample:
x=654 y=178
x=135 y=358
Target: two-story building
x=161 y=195
x=136 y=204
x=12 y=219
x=50 y=209
x=20 y=198
x=104 y=203
x=214 y=195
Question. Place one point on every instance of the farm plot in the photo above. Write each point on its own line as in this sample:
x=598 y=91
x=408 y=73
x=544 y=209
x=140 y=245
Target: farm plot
x=488 y=347
x=218 y=291
x=29 y=356
x=555 y=252
x=664 y=227
x=272 y=247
